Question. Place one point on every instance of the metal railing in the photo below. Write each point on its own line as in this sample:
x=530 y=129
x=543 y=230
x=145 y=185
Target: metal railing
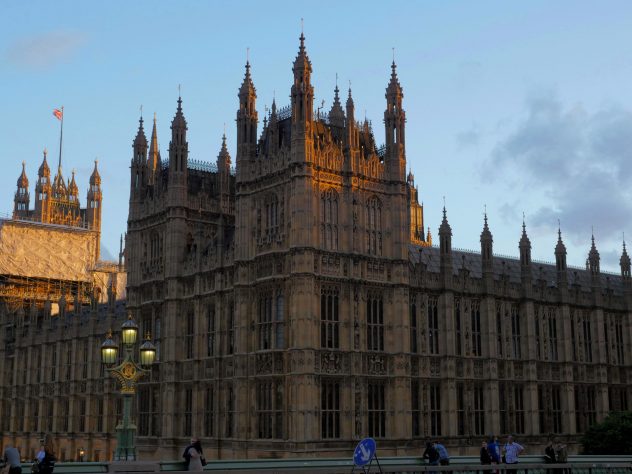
x=399 y=464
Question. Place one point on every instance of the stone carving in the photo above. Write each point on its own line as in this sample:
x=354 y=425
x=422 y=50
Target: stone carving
x=331 y=362
x=264 y=363
x=435 y=367
x=376 y=365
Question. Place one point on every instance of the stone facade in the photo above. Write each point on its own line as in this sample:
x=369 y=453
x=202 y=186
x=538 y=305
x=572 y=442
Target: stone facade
x=297 y=305
x=300 y=306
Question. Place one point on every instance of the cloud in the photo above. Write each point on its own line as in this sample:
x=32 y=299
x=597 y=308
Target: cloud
x=581 y=161
x=44 y=51
x=468 y=138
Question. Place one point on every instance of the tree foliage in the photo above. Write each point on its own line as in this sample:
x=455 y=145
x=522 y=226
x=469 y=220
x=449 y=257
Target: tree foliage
x=612 y=436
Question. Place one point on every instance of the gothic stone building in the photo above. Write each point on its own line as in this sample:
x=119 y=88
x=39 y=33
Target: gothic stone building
x=298 y=306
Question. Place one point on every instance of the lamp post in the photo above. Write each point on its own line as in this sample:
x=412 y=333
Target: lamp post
x=127 y=373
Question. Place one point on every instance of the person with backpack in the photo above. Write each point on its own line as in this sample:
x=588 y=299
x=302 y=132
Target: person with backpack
x=193 y=456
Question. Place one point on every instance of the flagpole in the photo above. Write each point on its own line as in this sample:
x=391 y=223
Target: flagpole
x=61 y=134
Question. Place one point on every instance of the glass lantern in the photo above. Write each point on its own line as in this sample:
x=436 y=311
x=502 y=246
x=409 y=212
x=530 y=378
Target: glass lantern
x=129 y=331
x=109 y=351
x=147 y=353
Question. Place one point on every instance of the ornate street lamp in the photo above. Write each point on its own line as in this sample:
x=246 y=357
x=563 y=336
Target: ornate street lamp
x=127 y=373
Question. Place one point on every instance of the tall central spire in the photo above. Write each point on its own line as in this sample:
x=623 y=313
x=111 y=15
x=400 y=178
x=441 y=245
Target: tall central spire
x=302 y=89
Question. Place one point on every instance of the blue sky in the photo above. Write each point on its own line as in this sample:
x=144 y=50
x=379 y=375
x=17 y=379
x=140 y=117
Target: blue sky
x=519 y=106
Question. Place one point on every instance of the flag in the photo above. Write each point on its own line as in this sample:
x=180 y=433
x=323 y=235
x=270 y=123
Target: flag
x=58 y=113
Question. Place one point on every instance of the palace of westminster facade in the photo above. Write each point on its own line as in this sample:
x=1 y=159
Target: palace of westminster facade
x=298 y=306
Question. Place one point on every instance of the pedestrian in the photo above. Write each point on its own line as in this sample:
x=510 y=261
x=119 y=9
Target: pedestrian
x=193 y=455
x=561 y=455
x=494 y=449
x=432 y=455
x=444 y=459
x=46 y=456
x=512 y=450
x=486 y=456
x=549 y=453
x=12 y=459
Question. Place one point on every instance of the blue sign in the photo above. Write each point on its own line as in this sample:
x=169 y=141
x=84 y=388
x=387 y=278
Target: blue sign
x=364 y=452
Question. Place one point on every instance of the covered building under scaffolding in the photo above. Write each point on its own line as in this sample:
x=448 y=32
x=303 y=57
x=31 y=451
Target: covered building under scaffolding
x=57 y=300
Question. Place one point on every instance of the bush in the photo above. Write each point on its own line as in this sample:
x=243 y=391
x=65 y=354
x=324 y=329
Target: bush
x=612 y=436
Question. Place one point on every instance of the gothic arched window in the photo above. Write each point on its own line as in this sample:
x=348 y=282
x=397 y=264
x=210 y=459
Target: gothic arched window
x=329 y=219
x=271 y=215
x=374 y=226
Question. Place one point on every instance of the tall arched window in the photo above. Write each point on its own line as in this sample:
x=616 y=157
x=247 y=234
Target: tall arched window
x=374 y=226
x=271 y=218
x=329 y=219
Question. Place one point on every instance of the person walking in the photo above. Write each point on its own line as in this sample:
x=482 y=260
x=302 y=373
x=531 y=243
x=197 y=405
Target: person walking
x=494 y=449
x=444 y=458
x=194 y=456
x=549 y=453
x=561 y=455
x=432 y=455
x=12 y=459
x=46 y=456
x=486 y=456
x=512 y=450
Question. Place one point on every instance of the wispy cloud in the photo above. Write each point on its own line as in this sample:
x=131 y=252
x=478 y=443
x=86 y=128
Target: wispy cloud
x=580 y=160
x=44 y=51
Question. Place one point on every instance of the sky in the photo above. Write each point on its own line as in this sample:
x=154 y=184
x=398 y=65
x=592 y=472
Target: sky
x=512 y=107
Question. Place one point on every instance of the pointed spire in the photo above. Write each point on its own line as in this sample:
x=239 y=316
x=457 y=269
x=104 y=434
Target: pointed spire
x=445 y=226
x=560 y=248
x=394 y=89
x=73 y=189
x=336 y=114
x=44 y=170
x=95 y=177
x=141 y=139
x=23 y=181
x=593 y=256
x=179 y=122
x=486 y=235
x=153 y=161
x=223 y=158
x=302 y=63
x=247 y=88
x=624 y=261
x=525 y=249
x=486 y=246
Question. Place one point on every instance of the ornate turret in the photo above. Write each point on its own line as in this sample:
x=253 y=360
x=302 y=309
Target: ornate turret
x=139 y=159
x=93 y=205
x=153 y=160
x=302 y=91
x=73 y=189
x=624 y=262
x=21 y=200
x=178 y=157
x=394 y=125
x=43 y=191
x=560 y=260
x=486 y=248
x=445 y=244
x=223 y=159
x=351 y=125
x=593 y=258
x=525 y=253
x=246 y=121
x=336 y=114
x=60 y=191
x=140 y=144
